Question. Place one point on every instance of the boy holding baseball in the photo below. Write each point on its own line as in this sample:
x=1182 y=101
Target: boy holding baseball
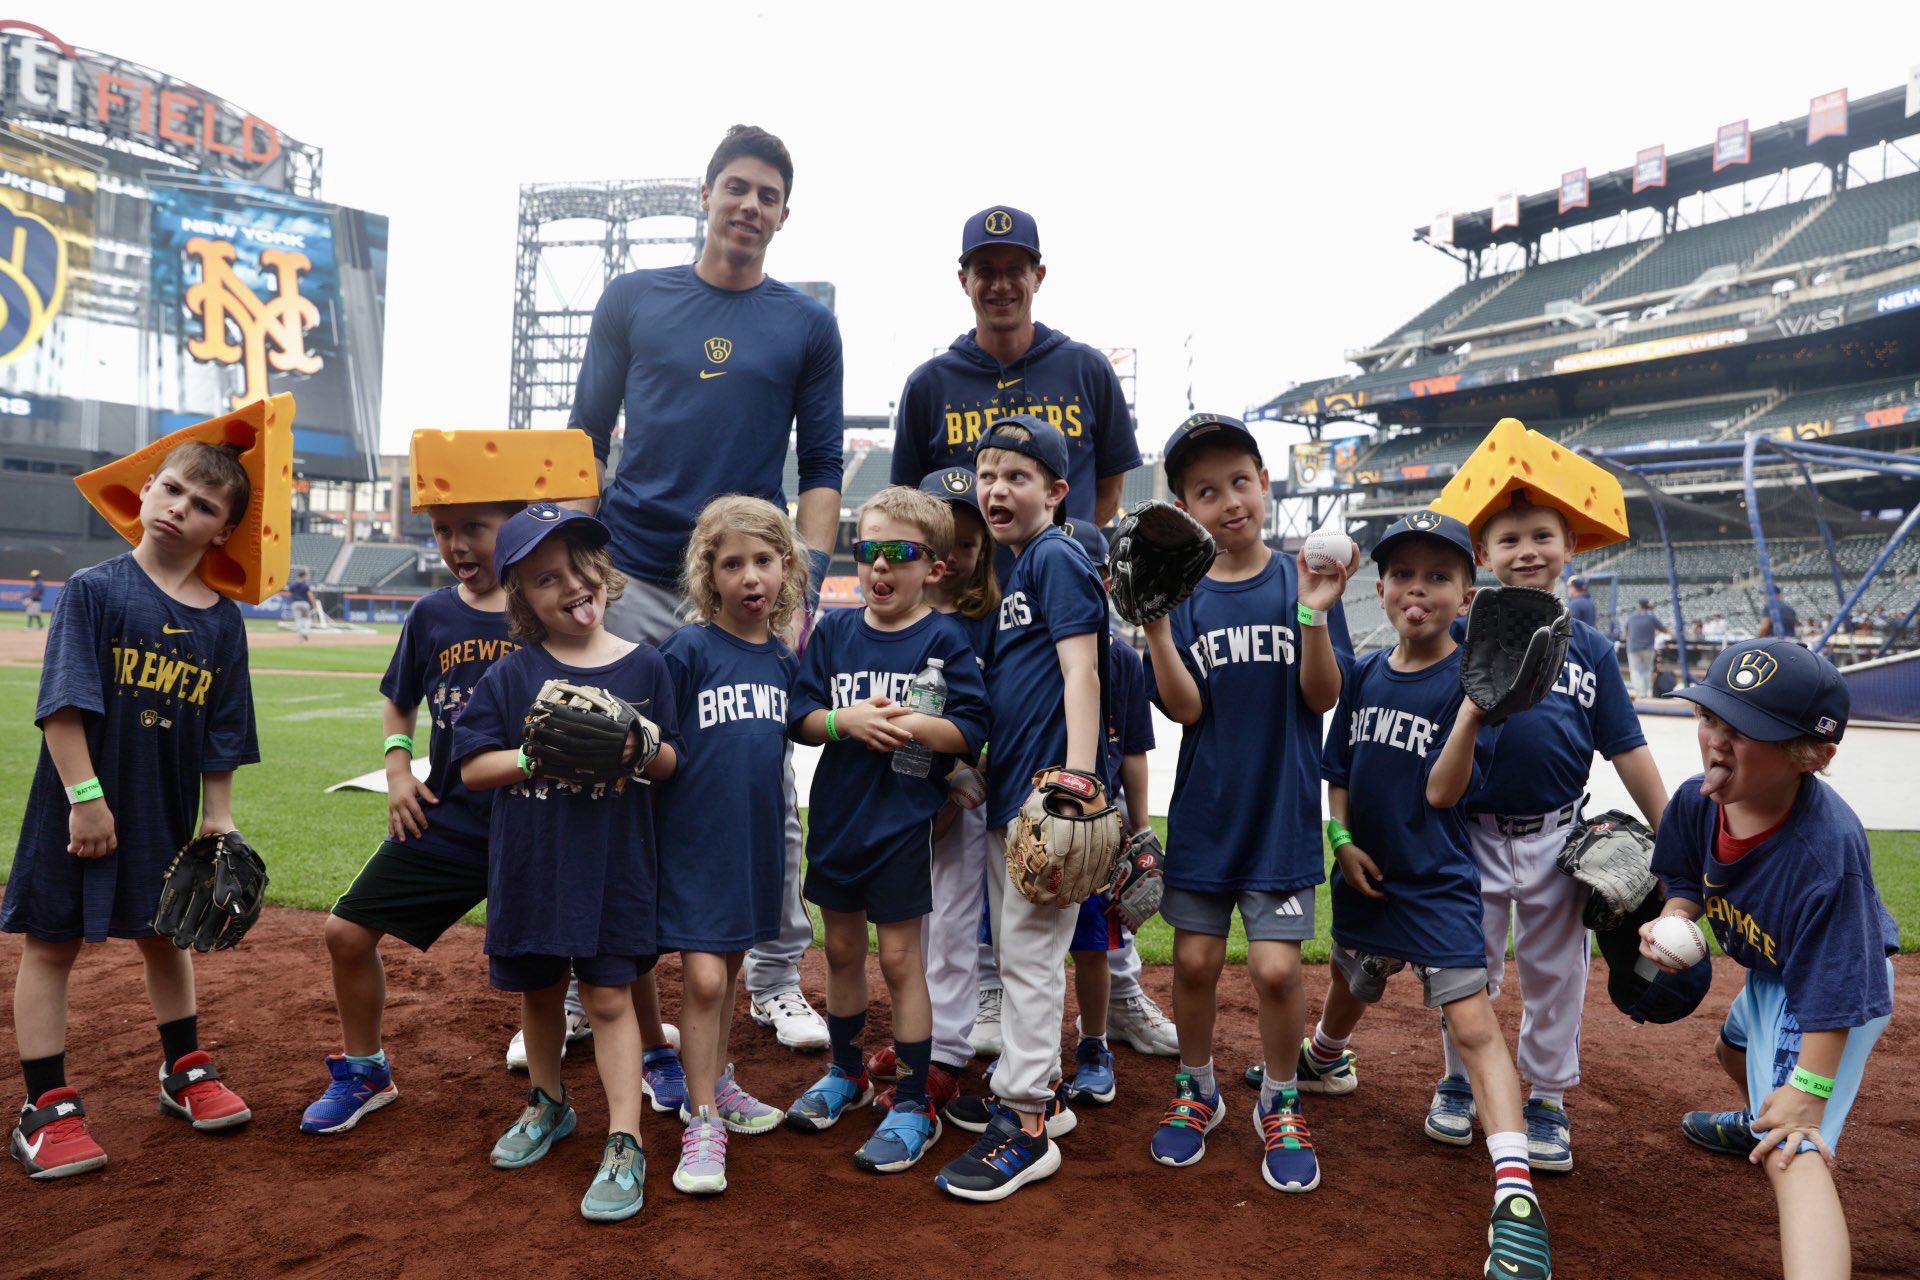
x=1778 y=864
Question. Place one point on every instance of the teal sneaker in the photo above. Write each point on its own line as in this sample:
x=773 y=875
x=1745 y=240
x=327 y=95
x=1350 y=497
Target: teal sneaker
x=904 y=1135
x=543 y=1123
x=1337 y=1078
x=619 y=1187
x=1728 y=1132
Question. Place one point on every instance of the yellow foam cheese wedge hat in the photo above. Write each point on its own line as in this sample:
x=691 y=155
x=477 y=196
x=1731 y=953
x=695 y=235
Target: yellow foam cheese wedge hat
x=253 y=564
x=501 y=466
x=1513 y=459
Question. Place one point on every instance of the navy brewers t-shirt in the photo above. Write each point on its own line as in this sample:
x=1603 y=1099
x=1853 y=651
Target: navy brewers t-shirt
x=1583 y=609
x=1129 y=709
x=722 y=818
x=164 y=694
x=1053 y=594
x=1385 y=738
x=444 y=649
x=1246 y=799
x=1802 y=906
x=571 y=870
x=862 y=812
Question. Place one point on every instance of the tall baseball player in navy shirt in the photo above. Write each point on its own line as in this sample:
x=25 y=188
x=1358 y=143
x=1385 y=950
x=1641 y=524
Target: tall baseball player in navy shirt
x=1777 y=863
x=1519 y=823
x=1405 y=745
x=1248 y=663
x=718 y=365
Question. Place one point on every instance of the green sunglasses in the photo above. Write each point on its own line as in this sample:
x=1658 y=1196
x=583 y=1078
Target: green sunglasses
x=866 y=551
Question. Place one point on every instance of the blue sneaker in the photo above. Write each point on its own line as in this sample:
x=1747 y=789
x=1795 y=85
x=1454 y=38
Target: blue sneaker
x=974 y=1112
x=1289 y=1164
x=543 y=1123
x=829 y=1098
x=663 y=1079
x=906 y=1134
x=358 y=1089
x=1728 y=1132
x=1181 y=1138
x=1517 y=1241
x=1450 y=1114
x=619 y=1187
x=1093 y=1072
x=1005 y=1159
x=1549 y=1137
x=1314 y=1078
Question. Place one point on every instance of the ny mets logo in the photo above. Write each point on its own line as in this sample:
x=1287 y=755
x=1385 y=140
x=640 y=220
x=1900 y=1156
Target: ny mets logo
x=957 y=482
x=718 y=349
x=271 y=331
x=1751 y=670
x=33 y=280
x=999 y=222
x=545 y=512
x=1424 y=521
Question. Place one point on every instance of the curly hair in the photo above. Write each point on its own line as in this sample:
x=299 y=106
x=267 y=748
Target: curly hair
x=979 y=596
x=756 y=518
x=591 y=563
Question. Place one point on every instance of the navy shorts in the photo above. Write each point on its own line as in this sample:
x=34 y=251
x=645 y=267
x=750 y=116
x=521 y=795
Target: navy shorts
x=414 y=896
x=537 y=973
x=898 y=888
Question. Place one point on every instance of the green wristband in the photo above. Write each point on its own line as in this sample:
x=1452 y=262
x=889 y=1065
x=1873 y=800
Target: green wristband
x=1807 y=1082
x=88 y=790
x=526 y=765
x=832 y=733
x=1337 y=834
x=1308 y=616
x=399 y=740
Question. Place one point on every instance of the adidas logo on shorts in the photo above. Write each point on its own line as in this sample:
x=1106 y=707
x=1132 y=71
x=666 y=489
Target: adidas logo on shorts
x=1291 y=907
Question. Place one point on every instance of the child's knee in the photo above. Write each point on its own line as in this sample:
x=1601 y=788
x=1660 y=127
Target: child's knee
x=846 y=950
x=1198 y=958
x=704 y=984
x=1732 y=1059
x=349 y=941
x=604 y=1005
x=52 y=955
x=1274 y=969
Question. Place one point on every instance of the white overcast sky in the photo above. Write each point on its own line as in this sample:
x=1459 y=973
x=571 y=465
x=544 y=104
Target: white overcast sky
x=1248 y=173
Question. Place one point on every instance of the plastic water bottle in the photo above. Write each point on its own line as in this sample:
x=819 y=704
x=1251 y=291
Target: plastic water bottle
x=927 y=695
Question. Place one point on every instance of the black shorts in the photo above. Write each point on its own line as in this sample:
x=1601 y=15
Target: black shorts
x=899 y=888
x=414 y=896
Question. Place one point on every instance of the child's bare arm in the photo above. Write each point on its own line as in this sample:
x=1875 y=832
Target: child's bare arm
x=90 y=832
x=1641 y=777
x=874 y=721
x=405 y=793
x=216 y=803
x=1133 y=789
x=485 y=770
x=937 y=732
x=1320 y=675
x=1080 y=672
x=1453 y=772
x=1179 y=695
x=1356 y=864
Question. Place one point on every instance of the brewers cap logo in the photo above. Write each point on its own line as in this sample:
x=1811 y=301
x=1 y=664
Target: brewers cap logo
x=718 y=349
x=1751 y=670
x=545 y=512
x=957 y=481
x=999 y=222
x=149 y=718
x=1425 y=521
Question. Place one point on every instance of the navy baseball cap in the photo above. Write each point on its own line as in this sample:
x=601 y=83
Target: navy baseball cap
x=1092 y=540
x=1773 y=690
x=1048 y=446
x=529 y=528
x=1425 y=524
x=1000 y=224
x=1579 y=582
x=1215 y=428
x=956 y=485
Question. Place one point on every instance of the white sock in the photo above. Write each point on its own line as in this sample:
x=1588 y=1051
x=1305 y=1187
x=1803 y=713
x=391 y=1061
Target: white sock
x=1558 y=1097
x=1270 y=1089
x=1203 y=1081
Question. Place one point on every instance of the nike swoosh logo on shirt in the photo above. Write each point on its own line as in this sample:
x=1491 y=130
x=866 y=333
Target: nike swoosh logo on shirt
x=175 y=631
x=1010 y=381
x=708 y=373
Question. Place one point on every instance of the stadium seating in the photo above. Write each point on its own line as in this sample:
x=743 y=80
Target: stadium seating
x=373 y=564
x=1548 y=282
x=1442 y=307
x=1425 y=366
x=864 y=473
x=1859 y=219
x=314 y=552
x=1149 y=480
x=1693 y=423
x=1686 y=254
x=1833 y=402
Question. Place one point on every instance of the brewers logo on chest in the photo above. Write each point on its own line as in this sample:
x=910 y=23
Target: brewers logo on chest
x=718 y=349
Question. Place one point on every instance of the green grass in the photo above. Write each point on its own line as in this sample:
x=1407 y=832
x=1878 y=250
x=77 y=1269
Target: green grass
x=317 y=730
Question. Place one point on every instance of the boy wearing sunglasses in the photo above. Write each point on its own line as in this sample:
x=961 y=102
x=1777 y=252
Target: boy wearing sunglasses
x=870 y=834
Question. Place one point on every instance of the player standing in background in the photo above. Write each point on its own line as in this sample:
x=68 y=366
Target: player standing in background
x=1778 y=864
x=36 y=592
x=716 y=363
x=1580 y=605
x=302 y=592
x=1642 y=639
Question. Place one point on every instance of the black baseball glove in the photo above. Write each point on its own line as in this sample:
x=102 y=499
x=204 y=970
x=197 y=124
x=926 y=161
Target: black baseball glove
x=578 y=733
x=212 y=894
x=1515 y=648
x=1160 y=553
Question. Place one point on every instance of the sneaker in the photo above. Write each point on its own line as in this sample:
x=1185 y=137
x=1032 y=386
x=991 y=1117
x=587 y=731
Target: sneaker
x=1289 y=1164
x=1517 y=1241
x=1005 y=1159
x=795 y=1023
x=703 y=1157
x=738 y=1110
x=1728 y=1132
x=883 y=1064
x=51 y=1140
x=578 y=1029
x=1450 y=1115
x=985 y=1037
x=1181 y=1138
x=663 y=1079
x=358 y=1089
x=1093 y=1073
x=1256 y=1075
x=543 y=1123
x=619 y=1187
x=975 y=1112
x=830 y=1097
x=1140 y=1023
x=943 y=1087
x=194 y=1093
x=905 y=1134
x=1338 y=1078
x=1549 y=1137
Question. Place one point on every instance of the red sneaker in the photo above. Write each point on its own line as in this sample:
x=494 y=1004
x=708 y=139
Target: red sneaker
x=194 y=1093
x=942 y=1087
x=51 y=1140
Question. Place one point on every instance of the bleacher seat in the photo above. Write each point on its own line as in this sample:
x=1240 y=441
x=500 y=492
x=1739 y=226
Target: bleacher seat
x=1696 y=423
x=1834 y=402
x=1685 y=255
x=314 y=552
x=373 y=563
x=1859 y=219
x=1442 y=307
x=1548 y=282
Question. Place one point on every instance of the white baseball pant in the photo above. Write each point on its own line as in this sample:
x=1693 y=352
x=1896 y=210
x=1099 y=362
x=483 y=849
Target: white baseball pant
x=1030 y=944
x=950 y=935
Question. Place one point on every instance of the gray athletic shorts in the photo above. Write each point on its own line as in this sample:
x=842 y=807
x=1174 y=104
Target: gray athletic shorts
x=1367 y=978
x=646 y=611
x=1269 y=917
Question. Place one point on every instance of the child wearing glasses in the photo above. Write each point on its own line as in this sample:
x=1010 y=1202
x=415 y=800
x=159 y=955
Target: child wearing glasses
x=870 y=829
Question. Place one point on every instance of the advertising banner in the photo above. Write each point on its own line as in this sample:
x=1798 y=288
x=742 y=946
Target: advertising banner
x=1732 y=145
x=1650 y=168
x=1827 y=116
x=1441 y=232
x=1573 y=190
x=1506 y=211
x=46 y=248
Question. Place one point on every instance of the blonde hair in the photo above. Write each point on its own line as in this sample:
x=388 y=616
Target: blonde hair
x=1807 y=753
x=979 y=596
x=932 y=517
x=591 y=563
x=217 y=465
x=756 y=518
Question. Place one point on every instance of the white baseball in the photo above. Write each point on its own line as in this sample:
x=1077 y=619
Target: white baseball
x=1678 y=942
x=1328 y=551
